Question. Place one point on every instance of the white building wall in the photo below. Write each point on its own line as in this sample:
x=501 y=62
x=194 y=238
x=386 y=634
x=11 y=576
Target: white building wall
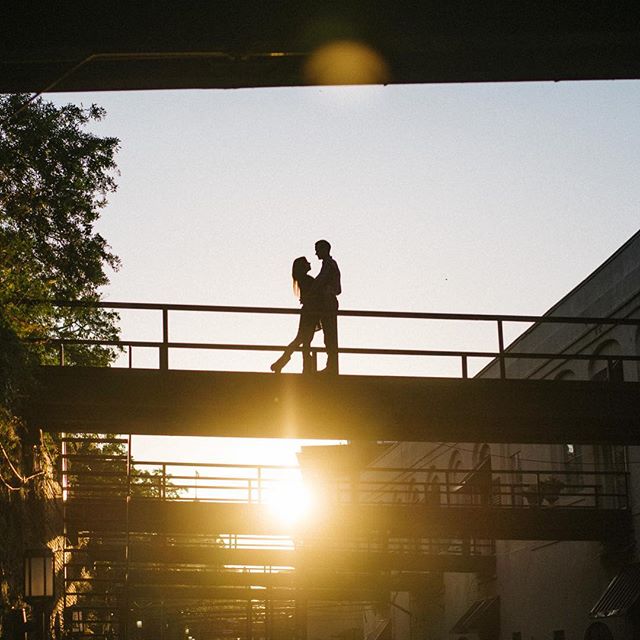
x=546 y=587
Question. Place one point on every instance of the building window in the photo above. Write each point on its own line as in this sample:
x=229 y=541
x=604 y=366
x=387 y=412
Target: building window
x=605 y=365
x=482 y=452
x=558 y=635
x=516 y=635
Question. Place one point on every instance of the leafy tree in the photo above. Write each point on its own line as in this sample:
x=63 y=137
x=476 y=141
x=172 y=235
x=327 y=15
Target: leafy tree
x=54 y=179
x=55 y=176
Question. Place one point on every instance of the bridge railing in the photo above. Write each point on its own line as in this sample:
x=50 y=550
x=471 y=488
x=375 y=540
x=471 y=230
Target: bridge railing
x=501 y=355
x=284 y=487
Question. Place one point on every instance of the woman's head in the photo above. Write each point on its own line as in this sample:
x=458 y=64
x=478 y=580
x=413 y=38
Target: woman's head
x=299 y=269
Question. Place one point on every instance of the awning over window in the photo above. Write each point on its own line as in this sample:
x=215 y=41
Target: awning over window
x=621 y=594
x=480 y=615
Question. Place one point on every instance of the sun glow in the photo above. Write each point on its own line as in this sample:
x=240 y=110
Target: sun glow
x=291 y=502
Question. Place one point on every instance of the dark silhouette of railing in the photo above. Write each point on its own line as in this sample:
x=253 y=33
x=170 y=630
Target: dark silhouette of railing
x=261 y=484
x=502 y=354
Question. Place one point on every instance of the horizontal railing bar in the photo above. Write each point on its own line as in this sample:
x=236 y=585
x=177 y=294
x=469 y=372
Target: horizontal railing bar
x=222 y=465
x=240 y=484
x=97 y=474
x=345 y=350
x=483 y=317
x=94 y=456
x=483 y=473
x=366 y=470
x=95 y=440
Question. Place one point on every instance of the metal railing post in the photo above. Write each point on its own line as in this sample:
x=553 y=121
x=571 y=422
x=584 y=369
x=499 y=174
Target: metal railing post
x=503 y=372
x=447 y=486
x=627 y=504
x=164 y=348
x=337 y=347
x=499 y=359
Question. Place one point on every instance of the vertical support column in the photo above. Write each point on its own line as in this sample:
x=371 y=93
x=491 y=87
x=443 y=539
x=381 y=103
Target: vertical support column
x=249 y=627
x=627 y=501
x=164 y=348
x=337 y=346
x=300 y=616
x=65 y=537
x=503 y=372
x=268 y=617
x=125 y=613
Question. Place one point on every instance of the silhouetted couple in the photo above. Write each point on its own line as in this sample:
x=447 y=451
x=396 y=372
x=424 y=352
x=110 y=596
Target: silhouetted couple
x=319 y=299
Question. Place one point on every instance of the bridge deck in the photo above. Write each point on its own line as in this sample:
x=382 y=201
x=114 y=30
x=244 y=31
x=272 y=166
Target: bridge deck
x=346 y=521
x=207 y=403
x=305 y=558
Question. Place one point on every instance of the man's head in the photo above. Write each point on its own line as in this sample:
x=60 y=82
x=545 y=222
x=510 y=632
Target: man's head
x=323 y=249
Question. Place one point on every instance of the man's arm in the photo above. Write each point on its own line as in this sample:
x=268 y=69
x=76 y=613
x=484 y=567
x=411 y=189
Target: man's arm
x=328 y=280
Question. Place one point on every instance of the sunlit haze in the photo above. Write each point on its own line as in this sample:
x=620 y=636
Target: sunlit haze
x=493 y=198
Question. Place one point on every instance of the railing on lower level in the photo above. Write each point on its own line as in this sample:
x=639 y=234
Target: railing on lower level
x=99 y=476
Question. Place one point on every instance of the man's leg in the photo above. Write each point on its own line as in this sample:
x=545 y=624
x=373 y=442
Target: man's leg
x=307 y=331
x=330 y=331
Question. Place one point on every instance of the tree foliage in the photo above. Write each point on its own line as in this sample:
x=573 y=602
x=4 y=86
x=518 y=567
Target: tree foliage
x=55 y=176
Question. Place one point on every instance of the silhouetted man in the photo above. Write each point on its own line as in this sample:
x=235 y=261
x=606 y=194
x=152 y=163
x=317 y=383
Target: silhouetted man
x=328 y=285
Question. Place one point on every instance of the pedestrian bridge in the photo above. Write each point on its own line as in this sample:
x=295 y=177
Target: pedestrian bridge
x=500 y=404
x=117 y=495
x=222 y=531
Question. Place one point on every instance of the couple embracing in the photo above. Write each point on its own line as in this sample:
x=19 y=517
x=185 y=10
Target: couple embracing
x=319 y=300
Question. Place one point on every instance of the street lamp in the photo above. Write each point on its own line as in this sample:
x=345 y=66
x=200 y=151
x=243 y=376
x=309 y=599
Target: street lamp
x=39 y=572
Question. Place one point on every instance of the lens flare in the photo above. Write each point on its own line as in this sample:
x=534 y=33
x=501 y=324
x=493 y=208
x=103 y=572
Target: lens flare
x=346 y=62
x=290 y=503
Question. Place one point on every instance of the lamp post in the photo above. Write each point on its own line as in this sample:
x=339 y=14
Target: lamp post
x=39 y=572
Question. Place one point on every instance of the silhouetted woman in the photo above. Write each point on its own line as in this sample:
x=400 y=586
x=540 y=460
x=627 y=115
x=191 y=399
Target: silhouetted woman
x=309 y=317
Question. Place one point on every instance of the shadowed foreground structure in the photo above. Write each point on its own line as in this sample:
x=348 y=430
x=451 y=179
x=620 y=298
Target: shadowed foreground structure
x=87 y=46
x=196 y=541
x=211 y=403
x=188 y=539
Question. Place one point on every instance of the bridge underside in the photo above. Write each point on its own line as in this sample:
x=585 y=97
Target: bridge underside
x=306 y=558
x=346 y=521
x=209 y=403
x=86 y=46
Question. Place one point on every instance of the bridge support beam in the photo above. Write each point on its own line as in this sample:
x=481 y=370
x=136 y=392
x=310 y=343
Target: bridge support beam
x=209 y=403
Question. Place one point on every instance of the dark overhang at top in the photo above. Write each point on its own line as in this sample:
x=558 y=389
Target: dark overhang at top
x=153 y=44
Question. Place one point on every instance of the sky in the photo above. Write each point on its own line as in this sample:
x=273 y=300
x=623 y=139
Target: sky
x=475 y=198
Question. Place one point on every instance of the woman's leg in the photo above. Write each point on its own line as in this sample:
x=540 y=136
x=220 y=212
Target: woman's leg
x=277 y=366
x=306 y=329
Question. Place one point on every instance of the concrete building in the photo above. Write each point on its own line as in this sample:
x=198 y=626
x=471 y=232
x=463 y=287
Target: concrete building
x=553 y=590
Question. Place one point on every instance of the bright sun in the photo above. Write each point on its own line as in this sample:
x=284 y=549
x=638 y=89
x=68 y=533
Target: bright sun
x=290 y=502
